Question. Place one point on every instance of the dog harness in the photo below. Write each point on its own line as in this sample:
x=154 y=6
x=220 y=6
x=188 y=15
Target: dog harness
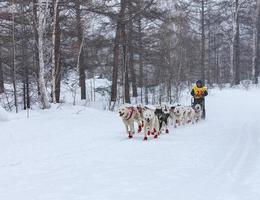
x=139 y=109
x=197 y=111
x=131 y=109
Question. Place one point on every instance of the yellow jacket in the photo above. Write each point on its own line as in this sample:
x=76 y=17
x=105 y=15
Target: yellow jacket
x=199 y=92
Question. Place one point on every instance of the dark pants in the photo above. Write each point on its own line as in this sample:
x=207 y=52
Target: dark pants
x=200 y=101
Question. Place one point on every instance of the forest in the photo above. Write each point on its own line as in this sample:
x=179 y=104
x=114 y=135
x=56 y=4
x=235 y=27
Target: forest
x=137 y=45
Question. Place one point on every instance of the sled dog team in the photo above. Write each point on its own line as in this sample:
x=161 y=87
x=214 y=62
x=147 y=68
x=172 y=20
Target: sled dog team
x=155 y=121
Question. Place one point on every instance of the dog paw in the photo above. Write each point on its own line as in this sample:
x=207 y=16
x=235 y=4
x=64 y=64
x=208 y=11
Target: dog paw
x=155 y=137
x=167 y=131
x=145 y=138
x=149 y=133
x=130 y=136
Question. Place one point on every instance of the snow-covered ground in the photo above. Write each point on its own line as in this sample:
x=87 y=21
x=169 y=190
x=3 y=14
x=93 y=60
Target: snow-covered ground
x=74 y=153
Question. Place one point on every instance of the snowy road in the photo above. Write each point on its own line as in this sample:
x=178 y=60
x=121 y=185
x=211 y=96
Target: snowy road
x=77 y=153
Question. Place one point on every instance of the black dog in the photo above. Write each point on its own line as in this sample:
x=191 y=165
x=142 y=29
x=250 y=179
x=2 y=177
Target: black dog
x=162 y=116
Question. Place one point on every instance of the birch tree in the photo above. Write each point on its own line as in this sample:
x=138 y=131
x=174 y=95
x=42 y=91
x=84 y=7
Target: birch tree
x=43 y=8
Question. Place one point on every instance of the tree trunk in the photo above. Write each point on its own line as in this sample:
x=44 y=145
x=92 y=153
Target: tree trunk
x=41 y=28
x=115 y=68
x=217 y=67
x=36 y=38
x=81 y=66
x=140 y=51
x=131 y=53
x=2 y=89
x=118 y=39
x=28 y=99
x=237 y=46
x=56 y=67
x=203 y=40
x=14 y=63
x=169 y=90
x=256 y=46
x=209 y=61
x=235 y=53
x=78 y=62
x=25 y=71
x=25 y=67
x=125 y=67
x=146 y=99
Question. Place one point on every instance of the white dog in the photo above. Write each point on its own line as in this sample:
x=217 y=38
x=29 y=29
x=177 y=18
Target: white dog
x=151 y=124
x=172 y=116
x=197 y=112
x=189 y=115
x=129 y=115
x=179 y=116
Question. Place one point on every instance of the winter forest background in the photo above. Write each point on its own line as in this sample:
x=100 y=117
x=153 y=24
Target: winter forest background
x=145 y=50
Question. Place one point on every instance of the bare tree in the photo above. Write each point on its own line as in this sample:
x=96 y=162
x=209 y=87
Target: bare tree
x=126 y=96
x=235 y=52
x=131 y=50
x=56 y=66
x=24 y=61
x=116 y=52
